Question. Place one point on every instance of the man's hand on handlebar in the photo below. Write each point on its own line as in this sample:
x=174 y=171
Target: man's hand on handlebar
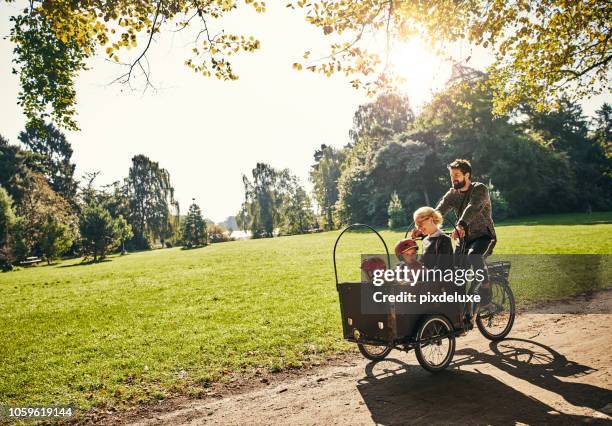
x=459 y=232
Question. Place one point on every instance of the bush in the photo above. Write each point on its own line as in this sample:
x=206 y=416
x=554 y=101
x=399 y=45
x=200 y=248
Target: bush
x=217 y=234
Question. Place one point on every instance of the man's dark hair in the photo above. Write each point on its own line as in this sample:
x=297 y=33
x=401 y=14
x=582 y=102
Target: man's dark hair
x=461 y=164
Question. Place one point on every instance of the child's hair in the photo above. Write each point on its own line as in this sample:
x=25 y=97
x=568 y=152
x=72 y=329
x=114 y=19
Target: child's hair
x=427 y=212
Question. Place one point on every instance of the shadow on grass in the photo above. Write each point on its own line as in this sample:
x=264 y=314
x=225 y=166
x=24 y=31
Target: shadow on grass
x=193 y=247
x=87 y=263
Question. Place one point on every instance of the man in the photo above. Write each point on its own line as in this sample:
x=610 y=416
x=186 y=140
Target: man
x=474 y=227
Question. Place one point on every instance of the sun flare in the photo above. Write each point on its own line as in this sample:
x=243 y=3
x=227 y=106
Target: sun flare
x=421 y=69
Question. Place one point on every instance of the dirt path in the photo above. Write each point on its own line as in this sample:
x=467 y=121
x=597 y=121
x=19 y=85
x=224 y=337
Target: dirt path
x=556 y=368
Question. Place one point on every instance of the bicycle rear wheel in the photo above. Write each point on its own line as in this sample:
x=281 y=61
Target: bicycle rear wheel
x=495 y=322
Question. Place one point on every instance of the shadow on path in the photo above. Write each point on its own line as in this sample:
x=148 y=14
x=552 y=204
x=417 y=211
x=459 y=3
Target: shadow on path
x=396 y=392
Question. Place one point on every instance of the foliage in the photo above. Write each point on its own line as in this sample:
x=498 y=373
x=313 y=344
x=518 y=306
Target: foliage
x=274 y=201
x=324 y=175
x=7 y=222
x=296 y=215
x=55 y=239
x=603 y=128
x=124 y=231
x=194 y=229
x=39 y=203
x=499 y=205
x=217 y=233
x=375 y=124
x=53 y=40
x=99 y=232
x=397 y=216
x=54 y=154
x=150 y=196
x=542 y=47
x=47 y=62
x=16 y=167
x=565 y=130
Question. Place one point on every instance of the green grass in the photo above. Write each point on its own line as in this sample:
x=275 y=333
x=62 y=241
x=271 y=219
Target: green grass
x=151 y=324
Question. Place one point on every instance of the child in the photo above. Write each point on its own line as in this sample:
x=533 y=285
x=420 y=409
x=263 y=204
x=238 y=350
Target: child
x=406 y=252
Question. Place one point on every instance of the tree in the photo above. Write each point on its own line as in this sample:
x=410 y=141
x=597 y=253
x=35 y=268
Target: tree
x=603 y=128
x=53 y=41
x=324 y=175
x=99 y=232
x=150 y=196
x=296 y=215
x=54 y=153
x=261 y=200
x=38 y=204
x=194 y=229
x=397 y=215
x=7 y=221
x=375 y=124
x=16 y=167
x=542 y=47
x=124 y=230
x=565 y=130
x=55 y=239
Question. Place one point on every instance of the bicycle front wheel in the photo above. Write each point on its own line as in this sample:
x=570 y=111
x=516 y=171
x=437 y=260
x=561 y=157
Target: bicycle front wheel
x=496 y=319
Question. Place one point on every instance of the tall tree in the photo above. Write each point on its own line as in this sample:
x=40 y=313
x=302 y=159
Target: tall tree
x=261 y=200
x=296 y=215
x=194 y=232
x=150 y=196
x=375 y=124
x=324 y=175
x=55 y=153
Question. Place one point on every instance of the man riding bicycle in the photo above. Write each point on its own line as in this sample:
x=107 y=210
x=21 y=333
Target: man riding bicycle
x=474 y=227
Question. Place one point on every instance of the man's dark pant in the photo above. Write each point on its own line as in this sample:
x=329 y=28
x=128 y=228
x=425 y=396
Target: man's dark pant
x=474 y=254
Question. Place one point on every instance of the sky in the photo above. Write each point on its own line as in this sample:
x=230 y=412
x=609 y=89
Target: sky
x=206 y=132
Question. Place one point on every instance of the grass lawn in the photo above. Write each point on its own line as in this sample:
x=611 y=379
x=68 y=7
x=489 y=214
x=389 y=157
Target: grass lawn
x=150 y=324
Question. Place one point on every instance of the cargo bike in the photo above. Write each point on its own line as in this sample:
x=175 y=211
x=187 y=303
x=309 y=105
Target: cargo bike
x=430 y=333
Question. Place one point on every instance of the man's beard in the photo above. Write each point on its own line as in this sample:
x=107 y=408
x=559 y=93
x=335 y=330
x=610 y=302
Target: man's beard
x=458 y=184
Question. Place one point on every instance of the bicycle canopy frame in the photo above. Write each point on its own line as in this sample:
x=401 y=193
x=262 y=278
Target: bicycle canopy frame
x=359 y=225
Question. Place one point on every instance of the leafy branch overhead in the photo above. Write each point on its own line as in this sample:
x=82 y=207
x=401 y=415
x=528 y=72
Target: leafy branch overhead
x=54 y=38
x=543 y=49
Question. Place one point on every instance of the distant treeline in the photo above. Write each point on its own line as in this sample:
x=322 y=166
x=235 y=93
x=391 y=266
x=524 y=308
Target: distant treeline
x=46 y=213
x=396 y=161
x=534 y=162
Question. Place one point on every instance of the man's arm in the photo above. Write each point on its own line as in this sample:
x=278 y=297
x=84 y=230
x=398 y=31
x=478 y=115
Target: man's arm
x=478 y=197
x=446 y=203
